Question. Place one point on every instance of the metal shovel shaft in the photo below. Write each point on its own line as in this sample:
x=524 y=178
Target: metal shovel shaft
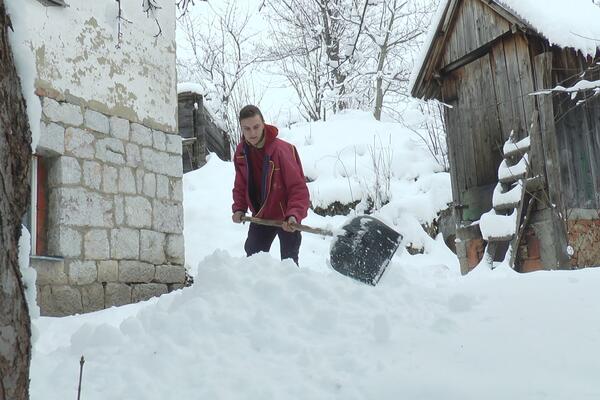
x=277 y=223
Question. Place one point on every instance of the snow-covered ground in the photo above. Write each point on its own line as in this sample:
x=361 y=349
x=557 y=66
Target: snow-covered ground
x=258 y=328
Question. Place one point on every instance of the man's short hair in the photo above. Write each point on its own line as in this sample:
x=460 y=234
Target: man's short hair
x=250 y=111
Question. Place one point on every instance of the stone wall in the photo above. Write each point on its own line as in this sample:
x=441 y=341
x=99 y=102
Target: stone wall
x=115 y=218
x=584 y=239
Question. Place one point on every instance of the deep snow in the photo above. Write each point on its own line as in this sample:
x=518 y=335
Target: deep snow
x=258 y=328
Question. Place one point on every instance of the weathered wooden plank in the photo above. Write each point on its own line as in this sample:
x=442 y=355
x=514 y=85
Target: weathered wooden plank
x=469 y=27
x=568 y=164
x=590 y=130
x=575 y=122
x=593 y=109
x=474 y=25
x=456 y=40
x=470 y=88
x=465 y=104
x=489 y=25
x=526 y=76
x=484 y=131
x=453 y=134
x=513 y=80
x=493 y=142
x=542 y=65
x=508 y=121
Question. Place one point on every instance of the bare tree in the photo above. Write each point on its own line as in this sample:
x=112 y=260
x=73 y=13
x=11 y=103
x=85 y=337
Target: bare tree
x=392 y=29
x=311 y=40
x=223 y=59
x=15 y=151
x=346 y=53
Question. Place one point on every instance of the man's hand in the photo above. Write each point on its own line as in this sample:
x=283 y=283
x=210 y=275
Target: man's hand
x=237 y=217
x=289 y=225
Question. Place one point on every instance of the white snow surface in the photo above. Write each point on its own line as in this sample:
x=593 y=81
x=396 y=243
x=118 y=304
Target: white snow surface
x=258 y=328
x=511 y=196
x=28 y=273
x=510 y=146
x=493 y=225
x=193 y=87
x=519 y=169
x=572 y=23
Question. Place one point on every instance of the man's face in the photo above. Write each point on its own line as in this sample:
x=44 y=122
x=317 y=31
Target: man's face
x=252 y=128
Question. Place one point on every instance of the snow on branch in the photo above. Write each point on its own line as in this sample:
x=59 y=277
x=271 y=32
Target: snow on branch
x=580 y=86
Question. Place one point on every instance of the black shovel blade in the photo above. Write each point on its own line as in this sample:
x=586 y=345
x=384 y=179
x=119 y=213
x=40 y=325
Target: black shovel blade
x=364 y=249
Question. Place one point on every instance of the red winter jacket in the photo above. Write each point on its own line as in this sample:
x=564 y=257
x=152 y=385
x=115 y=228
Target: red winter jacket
x=283 y=192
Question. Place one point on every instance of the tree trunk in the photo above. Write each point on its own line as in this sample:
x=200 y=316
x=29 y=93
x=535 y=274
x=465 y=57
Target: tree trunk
x=15 y=151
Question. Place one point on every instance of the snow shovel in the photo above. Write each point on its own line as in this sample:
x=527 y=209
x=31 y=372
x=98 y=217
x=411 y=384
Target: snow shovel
x=361 y=249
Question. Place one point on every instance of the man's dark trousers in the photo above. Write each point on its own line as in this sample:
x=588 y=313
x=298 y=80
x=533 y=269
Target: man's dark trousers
x=260 y=238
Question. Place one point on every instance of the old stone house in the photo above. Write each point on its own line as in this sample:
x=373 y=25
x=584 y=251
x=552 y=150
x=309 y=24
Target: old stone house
x=106 y=217
x=485 y=60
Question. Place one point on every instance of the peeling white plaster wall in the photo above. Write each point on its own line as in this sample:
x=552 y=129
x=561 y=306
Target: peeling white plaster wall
x=76 y=54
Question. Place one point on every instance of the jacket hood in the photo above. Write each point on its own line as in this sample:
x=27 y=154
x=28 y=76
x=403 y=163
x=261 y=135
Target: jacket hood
x=271 y=133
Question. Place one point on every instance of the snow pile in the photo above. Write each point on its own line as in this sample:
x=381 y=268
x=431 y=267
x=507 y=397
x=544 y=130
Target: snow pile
x=493 y=225
x=28 y=273
x=515 y=171
x=515 y=147
x=257 y=328
x=511 y=196
x=260 y=329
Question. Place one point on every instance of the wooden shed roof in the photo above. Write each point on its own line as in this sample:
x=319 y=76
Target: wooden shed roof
x=558 y=21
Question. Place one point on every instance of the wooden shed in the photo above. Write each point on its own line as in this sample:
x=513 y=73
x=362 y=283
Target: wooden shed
x=199 y=132
x=485 y=60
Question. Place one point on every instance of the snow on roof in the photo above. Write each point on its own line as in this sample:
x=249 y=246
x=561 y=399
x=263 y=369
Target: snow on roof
x=573 y=23
x=193 y=87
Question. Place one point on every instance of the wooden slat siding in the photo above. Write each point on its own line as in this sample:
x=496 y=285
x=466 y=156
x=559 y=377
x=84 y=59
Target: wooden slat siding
x=453 y=139
x=474 y=25
x=457 y=36
x=566 y=170
x=493 y=131
x=581 y=151
x=575 y=168
x=465 y=103
x=471 y=99
x=594 y=121
x=425 y=87
x=506 y=111
x=484 y=130
x=452 y=43
x=514 y=77
x=451 y=133
x=526 y=81
x=489 y=24
x=590 y=136
x=449 y=42
x=537 y=156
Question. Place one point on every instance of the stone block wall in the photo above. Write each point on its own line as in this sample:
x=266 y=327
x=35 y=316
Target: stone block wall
x=115 y=215
x=584 y=239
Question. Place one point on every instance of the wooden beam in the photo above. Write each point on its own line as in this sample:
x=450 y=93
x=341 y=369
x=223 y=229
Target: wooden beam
x=472 y=56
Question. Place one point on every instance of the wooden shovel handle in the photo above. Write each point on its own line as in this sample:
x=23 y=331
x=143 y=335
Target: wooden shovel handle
x=300 y=227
